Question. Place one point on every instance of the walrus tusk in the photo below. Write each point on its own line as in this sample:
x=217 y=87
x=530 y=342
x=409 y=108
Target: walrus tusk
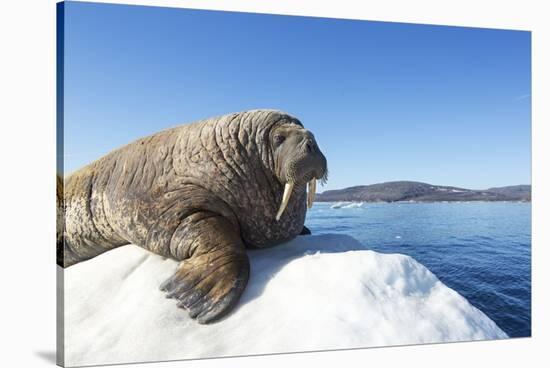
x=311 y=192
x=284 y=202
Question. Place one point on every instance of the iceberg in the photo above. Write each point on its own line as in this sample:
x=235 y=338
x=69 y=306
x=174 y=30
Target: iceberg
x=317 y=292
x=354 y=205
x=339 y=205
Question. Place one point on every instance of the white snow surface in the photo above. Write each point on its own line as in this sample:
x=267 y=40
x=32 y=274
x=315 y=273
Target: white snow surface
x=316 y=292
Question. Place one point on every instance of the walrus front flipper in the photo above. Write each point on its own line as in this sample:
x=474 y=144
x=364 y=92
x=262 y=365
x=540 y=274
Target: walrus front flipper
x=305 y=231
x=211 y=281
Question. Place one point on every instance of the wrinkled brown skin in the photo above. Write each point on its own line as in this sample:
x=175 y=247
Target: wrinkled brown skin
x=198 y=193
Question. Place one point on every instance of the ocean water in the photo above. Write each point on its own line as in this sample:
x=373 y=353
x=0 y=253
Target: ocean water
x=480 y=249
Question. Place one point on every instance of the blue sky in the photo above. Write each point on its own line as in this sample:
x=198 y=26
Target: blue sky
x=386 y=101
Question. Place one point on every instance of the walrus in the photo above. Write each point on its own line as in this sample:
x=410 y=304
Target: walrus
x=200 y=193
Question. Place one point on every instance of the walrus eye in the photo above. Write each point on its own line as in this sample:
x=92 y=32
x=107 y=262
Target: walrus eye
x=278 y=139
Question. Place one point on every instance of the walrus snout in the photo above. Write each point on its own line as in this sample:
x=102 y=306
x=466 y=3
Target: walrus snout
x=299 y=160
x=319 y=165
x=309 y=163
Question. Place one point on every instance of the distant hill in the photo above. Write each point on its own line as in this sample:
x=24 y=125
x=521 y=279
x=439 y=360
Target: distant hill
x=514 y=192
x=422 y=192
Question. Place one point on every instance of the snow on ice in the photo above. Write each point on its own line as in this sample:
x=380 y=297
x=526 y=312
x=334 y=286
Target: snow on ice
x=313 y=293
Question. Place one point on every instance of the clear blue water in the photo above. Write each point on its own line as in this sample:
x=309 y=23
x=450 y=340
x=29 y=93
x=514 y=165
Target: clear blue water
x=480 y=249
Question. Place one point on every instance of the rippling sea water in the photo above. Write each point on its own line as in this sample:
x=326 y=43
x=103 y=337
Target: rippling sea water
x=480 y=249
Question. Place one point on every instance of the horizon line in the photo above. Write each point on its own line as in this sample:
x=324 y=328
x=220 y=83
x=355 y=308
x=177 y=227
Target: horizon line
x=424 y=182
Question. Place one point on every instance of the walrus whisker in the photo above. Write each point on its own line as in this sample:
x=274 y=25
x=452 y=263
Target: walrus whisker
x=286 y=197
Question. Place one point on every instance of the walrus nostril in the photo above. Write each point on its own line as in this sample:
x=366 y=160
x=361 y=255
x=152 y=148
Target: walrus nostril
x=309 y=147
